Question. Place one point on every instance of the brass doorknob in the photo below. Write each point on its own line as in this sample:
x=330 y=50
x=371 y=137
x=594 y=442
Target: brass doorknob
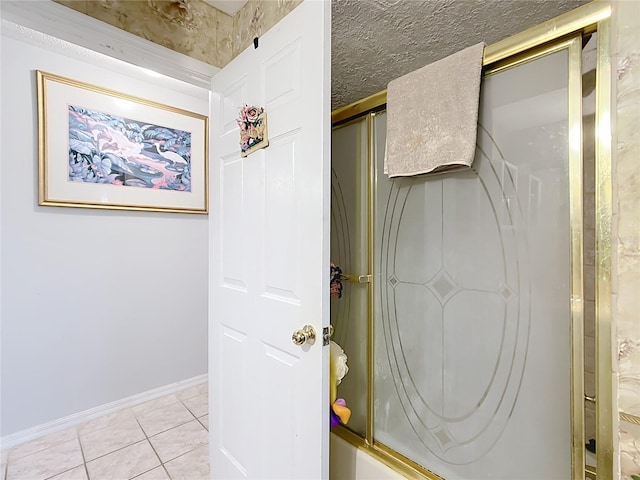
x=306 y=335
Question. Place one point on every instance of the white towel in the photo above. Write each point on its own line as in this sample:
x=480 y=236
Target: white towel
x=432 y=116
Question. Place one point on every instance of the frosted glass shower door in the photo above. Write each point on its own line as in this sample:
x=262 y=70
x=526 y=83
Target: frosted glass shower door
x=472 y=284
x=349 y=226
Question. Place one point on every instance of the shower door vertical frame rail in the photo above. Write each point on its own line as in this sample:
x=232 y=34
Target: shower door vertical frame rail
x=371 y=178
x=523 y=47
x=576 y=220
x=605 y=416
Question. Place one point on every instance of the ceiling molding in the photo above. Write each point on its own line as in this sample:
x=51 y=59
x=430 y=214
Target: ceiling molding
x=230 y=7
x=76 y=28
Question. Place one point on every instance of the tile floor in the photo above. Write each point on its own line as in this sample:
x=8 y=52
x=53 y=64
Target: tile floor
x=164 y=439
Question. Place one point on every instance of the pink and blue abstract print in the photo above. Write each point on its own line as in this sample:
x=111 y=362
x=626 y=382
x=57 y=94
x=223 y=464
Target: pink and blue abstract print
x=113 y=150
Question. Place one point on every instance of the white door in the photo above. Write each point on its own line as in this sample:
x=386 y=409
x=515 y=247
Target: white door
x=269 y=256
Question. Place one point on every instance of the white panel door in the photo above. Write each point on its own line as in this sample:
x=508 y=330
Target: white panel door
x=269 y=257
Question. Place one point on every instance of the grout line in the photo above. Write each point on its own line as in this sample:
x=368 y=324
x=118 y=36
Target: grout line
x=203 y=425
x=194 y=415
x=44 y=446
x=4 y=472
x=166 y=471
x=51 y=446
x=191 y=449
x=146 y=471
x=117 y=449
x=60 y=473
x=163 y=464
x=39 y=431
x=170 y=428
x=111 y=423
x=64 y=471
x=84 y=459
x=154 y=450
x=136 y=415
x=182 y=399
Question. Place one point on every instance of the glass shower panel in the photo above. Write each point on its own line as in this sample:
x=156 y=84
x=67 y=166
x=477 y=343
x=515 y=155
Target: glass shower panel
x=472 y=286
x=349 y=157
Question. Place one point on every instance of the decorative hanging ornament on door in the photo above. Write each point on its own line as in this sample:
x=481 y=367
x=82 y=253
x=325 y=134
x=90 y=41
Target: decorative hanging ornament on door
x=253 y=129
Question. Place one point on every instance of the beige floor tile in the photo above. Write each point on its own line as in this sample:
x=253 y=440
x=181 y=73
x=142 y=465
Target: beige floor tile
x=198 y=405
x=165 y=418
x=155 y=474
x=179 y=440
x=155 y=404
x=193 y=391
x=190 y=466
x=123 y=464
x=78 y=473
x=204 y=421
x=46 y=463
x=42 y=443
x=111 y=438
x=106 y=421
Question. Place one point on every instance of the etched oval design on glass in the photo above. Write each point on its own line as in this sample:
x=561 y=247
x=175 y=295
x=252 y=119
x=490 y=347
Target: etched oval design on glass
x=455 y=294
x=341 y=255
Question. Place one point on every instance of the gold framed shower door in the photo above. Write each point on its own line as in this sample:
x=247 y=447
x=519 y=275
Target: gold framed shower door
x=562 y=32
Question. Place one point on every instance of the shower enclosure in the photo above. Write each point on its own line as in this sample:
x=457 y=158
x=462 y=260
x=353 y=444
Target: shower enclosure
x=464 y=302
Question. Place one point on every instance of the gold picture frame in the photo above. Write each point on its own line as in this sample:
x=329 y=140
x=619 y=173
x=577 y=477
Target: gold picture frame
x=99 y=148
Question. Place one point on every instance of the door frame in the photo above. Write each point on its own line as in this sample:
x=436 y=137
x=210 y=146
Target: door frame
x=584 y=20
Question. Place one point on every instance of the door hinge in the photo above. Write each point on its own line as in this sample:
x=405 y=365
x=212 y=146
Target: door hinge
x=327 y=332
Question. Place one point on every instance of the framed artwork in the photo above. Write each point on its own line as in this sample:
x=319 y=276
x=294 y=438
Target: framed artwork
x=104 y=149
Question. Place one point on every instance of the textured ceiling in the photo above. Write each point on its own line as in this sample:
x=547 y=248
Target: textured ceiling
x=375 y=41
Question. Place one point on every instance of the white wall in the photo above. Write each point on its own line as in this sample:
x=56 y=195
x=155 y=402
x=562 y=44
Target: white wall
x=96 y=305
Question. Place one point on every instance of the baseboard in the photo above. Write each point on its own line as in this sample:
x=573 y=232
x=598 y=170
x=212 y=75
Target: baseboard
x=63 y=423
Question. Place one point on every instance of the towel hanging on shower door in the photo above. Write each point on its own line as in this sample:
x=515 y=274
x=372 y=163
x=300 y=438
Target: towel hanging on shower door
x=432 y=116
